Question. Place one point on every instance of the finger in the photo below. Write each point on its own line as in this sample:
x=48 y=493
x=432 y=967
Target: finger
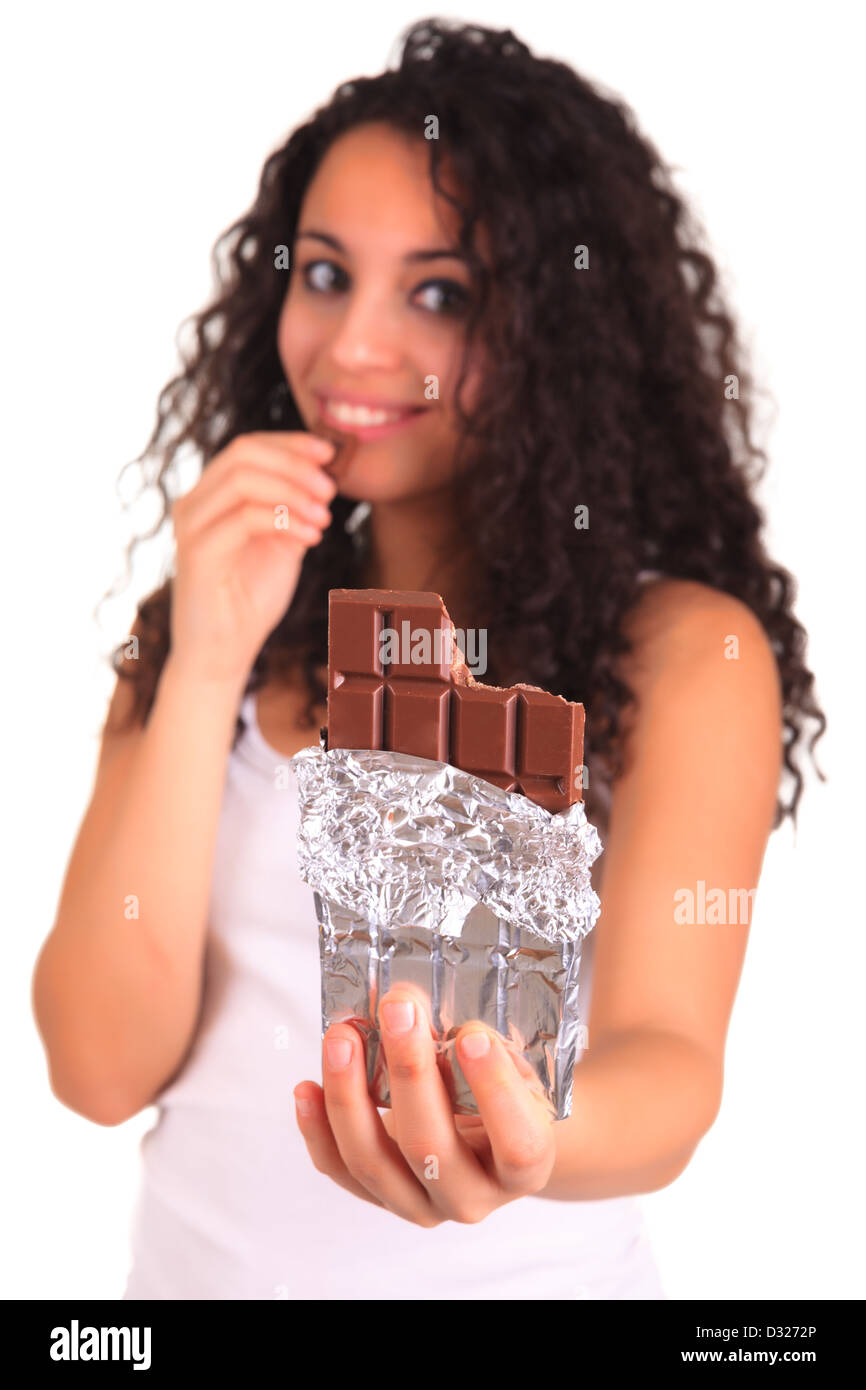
x=317 y=447
x=299 y=461
x=225 y=476
x=520 y=1130
x=469 y=1127
x=525 y=1070
x=423 y=1121
x=251 y=520
x=313 y=1123
x=369 y=1154
x=248 y=483
x=310 y=453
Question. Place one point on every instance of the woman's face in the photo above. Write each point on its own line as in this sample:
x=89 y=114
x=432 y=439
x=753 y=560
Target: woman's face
x=371 y=317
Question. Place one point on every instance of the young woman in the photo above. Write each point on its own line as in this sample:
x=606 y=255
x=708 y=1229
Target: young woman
x=494 y=293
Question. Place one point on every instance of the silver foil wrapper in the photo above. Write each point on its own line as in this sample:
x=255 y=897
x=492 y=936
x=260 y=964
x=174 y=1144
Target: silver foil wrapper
x=426 y=874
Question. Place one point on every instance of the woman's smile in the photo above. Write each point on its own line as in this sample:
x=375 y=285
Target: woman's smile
x=366 y=421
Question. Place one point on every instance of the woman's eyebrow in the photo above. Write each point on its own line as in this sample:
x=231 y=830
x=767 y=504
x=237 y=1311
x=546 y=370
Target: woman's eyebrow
x=436 y=254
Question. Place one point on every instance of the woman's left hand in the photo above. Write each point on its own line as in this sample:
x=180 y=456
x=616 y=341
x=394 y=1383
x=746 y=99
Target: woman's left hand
x=418 y=1159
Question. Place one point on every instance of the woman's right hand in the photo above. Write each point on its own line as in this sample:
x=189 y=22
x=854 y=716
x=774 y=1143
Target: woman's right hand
x=241 y=534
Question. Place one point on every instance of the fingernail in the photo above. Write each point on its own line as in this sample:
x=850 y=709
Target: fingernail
x=323 y=447
x=474 y=1045
x=305 y=1107
x=339 y=1052
x=399 y=1017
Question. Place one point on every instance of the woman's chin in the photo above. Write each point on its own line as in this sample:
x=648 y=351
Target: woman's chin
x=360 y=484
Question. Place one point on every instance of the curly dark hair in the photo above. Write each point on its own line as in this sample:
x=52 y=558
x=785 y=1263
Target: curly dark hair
x=622 y=387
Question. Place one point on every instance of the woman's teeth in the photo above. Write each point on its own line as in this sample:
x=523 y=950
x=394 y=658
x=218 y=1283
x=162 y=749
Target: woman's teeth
x=361 y=415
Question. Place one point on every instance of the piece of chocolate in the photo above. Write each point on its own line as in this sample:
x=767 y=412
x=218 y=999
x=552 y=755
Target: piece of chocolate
x=397 y=680
x=346 y=444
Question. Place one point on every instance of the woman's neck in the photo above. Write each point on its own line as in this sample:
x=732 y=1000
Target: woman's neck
x=411 y=546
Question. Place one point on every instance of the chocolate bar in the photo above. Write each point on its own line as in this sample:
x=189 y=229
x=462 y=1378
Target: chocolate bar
x=397 y=680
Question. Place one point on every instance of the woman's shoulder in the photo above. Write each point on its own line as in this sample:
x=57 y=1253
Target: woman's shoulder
x=700 y=660
x=707 y=696
x=683 y=619
x=667 y=601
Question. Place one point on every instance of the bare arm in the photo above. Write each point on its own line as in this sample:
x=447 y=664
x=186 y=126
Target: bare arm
x=117 y=986
x=695 y=805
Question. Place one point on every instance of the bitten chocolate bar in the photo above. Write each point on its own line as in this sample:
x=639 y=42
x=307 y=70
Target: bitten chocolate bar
x=397 y=680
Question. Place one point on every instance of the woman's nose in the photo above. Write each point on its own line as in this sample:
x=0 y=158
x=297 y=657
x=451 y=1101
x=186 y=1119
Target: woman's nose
x=367 y=335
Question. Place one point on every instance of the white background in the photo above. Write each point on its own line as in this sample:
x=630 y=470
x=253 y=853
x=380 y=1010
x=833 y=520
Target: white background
x=133 y=137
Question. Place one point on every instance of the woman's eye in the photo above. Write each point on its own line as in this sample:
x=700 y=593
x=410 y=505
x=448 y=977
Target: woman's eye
x=448 y=296
x=442 y=296
x=316 y=274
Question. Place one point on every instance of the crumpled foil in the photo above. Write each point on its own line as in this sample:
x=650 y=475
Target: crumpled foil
x=424 y=873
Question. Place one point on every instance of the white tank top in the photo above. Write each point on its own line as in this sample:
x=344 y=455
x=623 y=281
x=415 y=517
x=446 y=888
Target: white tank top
x=230 y=1205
